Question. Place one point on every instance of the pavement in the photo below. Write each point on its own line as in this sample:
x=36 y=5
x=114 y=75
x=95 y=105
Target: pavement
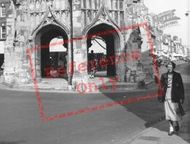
x=155 y=136
x=88 y=87
x=155 y=133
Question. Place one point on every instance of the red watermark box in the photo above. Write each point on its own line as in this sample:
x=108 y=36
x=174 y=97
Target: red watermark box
x=89 y=109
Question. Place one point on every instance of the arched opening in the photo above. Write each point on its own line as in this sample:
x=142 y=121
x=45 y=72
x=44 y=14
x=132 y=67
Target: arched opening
x=51 y=57
x=102 y=44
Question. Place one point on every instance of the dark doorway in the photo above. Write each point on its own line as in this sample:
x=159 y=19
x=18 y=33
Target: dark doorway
x=106 y=37
x=53 y=53
x=1 y=59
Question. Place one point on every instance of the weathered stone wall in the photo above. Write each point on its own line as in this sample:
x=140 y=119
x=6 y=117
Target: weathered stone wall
x=32 y=15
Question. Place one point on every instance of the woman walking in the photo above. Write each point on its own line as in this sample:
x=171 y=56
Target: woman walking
x=172 y=94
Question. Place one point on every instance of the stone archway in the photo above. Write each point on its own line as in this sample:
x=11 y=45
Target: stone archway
x=48 y=63
x=112 y=39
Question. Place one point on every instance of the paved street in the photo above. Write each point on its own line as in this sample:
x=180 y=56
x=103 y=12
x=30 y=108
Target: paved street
x=86 y=71
x=20 y=122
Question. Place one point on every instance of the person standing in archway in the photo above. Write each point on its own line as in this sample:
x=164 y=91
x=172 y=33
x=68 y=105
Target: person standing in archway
x=92 y=64
x=172 y=94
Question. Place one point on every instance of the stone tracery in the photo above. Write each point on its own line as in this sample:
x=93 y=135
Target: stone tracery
x=34 y=15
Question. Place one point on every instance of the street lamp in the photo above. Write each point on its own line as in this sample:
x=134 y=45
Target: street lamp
x=71 y=41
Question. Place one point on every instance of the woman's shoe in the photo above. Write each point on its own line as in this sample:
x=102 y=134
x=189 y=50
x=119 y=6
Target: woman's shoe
x=170 y=133
x=177 y=128
x=176 y=132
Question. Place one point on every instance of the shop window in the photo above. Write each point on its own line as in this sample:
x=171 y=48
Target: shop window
x=115 y=6
x=121 y=4
x=2 y=10
x=3 y=32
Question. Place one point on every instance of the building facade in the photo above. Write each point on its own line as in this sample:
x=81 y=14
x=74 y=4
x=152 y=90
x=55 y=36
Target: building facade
x=53 y=38
x=4 y=10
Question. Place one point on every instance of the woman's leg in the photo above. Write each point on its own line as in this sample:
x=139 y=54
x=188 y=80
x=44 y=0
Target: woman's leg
x=171 y=126
x=176 y=126
x=171 y=129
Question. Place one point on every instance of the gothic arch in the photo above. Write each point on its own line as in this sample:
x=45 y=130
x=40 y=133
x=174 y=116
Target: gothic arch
x=40 y=37
x=49 y=19
x=102 y=23
x=102 y=17
x=44 y=58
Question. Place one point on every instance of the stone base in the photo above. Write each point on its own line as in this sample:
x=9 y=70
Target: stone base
x=9 y=78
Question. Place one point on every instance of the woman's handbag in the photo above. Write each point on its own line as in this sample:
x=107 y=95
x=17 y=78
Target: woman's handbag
x=180 y=110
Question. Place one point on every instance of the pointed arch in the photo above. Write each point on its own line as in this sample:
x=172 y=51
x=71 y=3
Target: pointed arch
x=98 y=20
x=49 y=19
x=104 y=26
x=44 y=56
x=113 y=46
x=41 y=36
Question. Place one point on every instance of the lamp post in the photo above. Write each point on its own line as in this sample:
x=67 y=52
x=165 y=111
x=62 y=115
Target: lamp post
x=187 y=14
x=71 y=44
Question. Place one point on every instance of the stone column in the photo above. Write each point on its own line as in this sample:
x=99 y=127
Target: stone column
x=80 y=51
x=9 y=69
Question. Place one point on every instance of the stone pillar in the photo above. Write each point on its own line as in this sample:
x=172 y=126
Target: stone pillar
x=16 y=64
x=9 y=65
x=79 y=46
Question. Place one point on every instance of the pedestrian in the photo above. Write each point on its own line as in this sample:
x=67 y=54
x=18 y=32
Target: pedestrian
x=92 y=64
x=172 y=94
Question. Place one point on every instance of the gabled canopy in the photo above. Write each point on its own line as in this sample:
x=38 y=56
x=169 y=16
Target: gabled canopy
x=48 y=19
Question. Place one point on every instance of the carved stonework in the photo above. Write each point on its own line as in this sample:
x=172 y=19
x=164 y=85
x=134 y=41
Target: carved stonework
x=114 y=8
x=36 y=22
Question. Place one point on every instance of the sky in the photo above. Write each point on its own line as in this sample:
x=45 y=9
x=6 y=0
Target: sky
x=181 y=6
x=56 y=45
x=158 y=6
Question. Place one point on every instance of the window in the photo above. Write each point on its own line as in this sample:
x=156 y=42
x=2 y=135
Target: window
x=2 y=10
x=96 y=4
x=136 y=1
x=3 y=32
x=115 y=6
x=82 y=4
x=90 y=4
x=93 y=4
x=121 y=5
x=116 y=17
x=87 y=4
x=109 y=4
x=122 y=19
